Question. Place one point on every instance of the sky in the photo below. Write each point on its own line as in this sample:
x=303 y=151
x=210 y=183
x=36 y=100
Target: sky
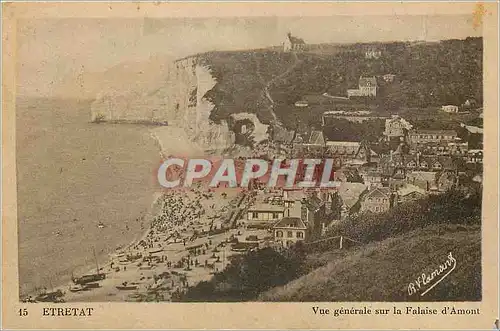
x=52 y=50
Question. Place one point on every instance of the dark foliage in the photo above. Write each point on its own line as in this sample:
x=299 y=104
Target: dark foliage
x=452 y=207
x=427 y=75
x=249 y=275
x=344 y=130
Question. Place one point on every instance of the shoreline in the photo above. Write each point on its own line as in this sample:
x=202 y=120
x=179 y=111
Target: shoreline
x=90 y=267
x=132 y=272
x=150 y=214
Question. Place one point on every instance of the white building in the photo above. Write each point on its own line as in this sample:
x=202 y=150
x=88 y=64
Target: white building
x=289 y=230
x=265 y=212
x=449 y=109
x=292 y=43
x=367 y=87
x=373 y=53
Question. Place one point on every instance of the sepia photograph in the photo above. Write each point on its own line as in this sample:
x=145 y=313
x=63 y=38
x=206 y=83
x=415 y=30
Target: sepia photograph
x=243 y=159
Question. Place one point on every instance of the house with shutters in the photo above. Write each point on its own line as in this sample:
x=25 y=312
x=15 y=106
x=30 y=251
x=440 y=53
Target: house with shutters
x=475 y=156
x=266 y=213
x=377 y=200
x=289 y=230
x=423 y=136
x=372 y=178
x=393 y=163
x=367 y=87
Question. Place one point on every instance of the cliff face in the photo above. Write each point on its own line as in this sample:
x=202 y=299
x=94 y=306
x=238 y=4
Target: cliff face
x=178 y=100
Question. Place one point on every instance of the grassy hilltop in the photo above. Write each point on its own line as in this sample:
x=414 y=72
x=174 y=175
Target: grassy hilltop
x=427 y=75
x=382 y=271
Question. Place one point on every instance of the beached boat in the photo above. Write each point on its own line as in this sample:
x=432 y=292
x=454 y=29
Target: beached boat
x=126 y=287
x=155 y=250
x=90 y=278
x=146 y=267
x=76 y=288
x=55 y=296
x=92 y=285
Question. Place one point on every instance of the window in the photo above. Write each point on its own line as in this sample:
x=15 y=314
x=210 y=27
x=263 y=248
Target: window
x=276 y=215
x=300 y=234
x=255 y=214
x=289 y=234
x=279 y=234
x=376 y=209
x=437 y=166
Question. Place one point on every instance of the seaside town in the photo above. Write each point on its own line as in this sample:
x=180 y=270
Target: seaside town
x=198 y=232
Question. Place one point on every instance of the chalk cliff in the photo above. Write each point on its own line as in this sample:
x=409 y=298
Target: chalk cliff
x=177 y=100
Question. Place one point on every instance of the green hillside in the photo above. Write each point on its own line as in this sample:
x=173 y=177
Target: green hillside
x=382 y=271
x=427 y=75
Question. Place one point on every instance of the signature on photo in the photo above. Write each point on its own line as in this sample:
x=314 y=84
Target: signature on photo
x=426 y=282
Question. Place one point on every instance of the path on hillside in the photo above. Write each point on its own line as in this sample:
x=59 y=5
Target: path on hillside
x=274 y=79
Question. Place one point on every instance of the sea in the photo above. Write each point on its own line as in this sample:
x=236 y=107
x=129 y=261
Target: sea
x=73 y=175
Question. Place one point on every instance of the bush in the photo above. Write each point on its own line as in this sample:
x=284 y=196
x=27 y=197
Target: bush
x=453 y=207
x=249 y=275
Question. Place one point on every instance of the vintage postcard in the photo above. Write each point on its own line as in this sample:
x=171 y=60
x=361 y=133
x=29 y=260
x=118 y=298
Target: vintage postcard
x=250 y=165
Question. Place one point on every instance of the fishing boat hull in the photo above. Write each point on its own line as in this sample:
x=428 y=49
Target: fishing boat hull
x=85 y=279
x=126 y=287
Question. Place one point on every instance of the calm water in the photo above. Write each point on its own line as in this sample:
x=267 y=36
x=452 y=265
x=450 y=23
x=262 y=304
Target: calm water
x=71 y=174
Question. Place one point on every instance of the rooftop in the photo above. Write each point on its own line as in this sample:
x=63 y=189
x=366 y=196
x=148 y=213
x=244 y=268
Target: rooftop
x=316 y=138
x=427 y=176
x=343 y=143
x=472 y=129
x=367 y=81
x=290 y=222
x=295 y=40
x=408 y=189
x=350 y=192
x=440 y=132
x=266 y=207
x=379 y=192
x=294 y=195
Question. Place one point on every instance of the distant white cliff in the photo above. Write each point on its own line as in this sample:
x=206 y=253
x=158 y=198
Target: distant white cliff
x=178 y=100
